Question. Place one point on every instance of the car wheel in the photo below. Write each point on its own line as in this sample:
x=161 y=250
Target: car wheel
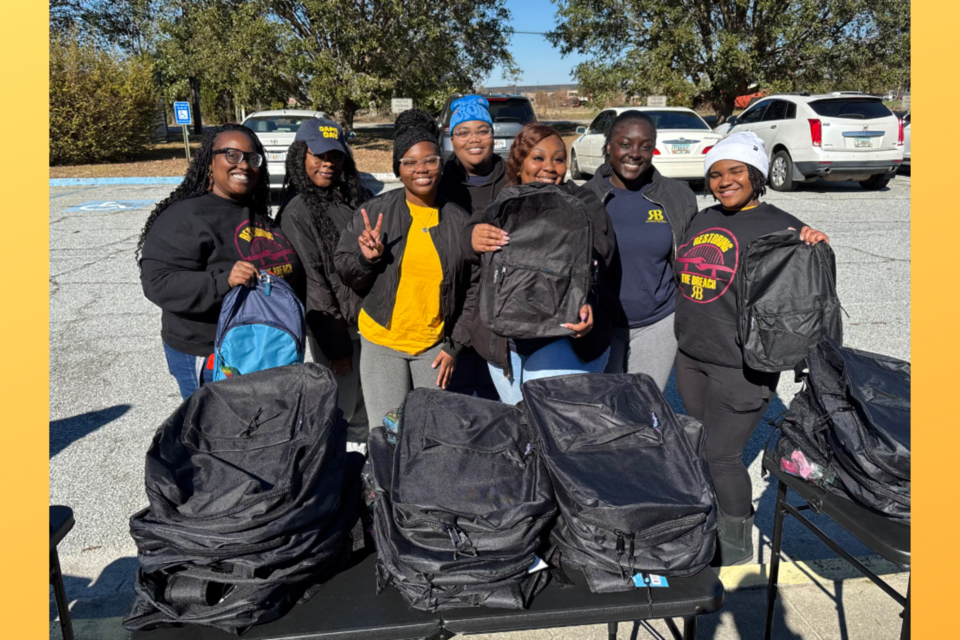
x=875 y=183
x=575 y=166
x=781 y=172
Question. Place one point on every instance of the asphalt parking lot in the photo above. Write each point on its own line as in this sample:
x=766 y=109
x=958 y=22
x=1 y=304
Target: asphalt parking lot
x=110 y=390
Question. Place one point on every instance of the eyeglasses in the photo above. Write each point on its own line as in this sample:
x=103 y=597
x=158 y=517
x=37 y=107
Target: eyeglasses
x=430 y=162
x=235 y=156
x=333 y=157
x=463 y=134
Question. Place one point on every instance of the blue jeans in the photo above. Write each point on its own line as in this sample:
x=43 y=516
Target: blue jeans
x=555 y=359
x=190 y=372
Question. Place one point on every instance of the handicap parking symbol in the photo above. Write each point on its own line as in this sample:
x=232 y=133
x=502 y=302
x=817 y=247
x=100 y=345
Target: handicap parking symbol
x=112 y=205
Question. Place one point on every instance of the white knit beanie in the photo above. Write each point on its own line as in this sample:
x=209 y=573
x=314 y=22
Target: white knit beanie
x=744 y=146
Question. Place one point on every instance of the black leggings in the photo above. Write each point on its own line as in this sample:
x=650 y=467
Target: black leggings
x=729 y=402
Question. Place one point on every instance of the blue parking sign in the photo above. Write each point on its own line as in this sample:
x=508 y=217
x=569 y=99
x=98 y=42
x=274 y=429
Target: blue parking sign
x=181 y=112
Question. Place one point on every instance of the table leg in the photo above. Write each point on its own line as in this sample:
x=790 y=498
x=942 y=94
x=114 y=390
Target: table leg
x=775 y=557
x=611 y=631
x=905 y=627
x=60 y=594
x=690 y=628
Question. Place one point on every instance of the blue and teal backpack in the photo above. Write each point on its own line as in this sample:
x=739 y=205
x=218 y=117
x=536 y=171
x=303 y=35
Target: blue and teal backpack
x=260 y=327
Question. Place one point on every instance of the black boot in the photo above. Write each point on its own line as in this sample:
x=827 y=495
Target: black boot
x=734 y=540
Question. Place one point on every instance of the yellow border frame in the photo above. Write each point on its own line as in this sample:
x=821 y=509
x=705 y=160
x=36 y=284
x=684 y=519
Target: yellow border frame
x=25 y=320
x=24 y=371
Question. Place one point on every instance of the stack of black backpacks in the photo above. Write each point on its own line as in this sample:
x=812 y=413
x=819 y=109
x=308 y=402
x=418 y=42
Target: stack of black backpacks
x=848 y=429
x=479 y=503
x=253 y=497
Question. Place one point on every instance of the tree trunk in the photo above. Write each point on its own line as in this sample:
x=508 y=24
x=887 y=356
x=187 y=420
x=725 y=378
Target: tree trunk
x=195 y=99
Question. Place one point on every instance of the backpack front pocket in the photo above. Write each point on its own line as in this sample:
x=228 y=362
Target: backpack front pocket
x=530 y=295
x=780 y=335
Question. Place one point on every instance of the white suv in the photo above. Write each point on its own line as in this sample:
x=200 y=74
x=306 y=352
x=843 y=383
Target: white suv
x=834 y=136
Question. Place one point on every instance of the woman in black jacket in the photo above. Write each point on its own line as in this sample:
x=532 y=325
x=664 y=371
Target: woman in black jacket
x=650 y=214
x=716 y=386
x=325 y=186
x=405 y=260
x=211 y=234
x=539 y=154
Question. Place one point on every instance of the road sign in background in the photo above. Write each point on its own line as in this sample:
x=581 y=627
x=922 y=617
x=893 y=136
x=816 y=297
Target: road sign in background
x=905 y=102
x=656 y=101
x=181 y=115
x=181 y=112
x=401 y=104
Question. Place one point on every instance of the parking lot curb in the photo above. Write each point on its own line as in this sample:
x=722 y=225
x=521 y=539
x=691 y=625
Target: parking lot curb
x=748 y=576
x=75 y=182
x=753 y=576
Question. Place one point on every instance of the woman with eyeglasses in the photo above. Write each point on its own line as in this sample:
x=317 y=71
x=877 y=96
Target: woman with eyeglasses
x=321 y=190
x=473 y=178
x=211 y=234
x=402 y=254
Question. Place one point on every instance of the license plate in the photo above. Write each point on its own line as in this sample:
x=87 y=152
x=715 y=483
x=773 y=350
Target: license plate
x=862 y=142
x=499 y=144
x=680 y=148
x=277 y=157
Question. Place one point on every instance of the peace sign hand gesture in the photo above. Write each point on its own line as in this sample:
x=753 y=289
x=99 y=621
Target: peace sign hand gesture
x=370 y=244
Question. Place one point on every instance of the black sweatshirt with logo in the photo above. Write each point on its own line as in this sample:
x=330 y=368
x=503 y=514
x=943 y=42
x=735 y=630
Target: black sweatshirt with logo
x=187 y=258
x=705 y=267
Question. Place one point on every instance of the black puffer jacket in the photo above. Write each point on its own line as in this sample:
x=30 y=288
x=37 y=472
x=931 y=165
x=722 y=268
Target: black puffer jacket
x=495 y=349
x=679 y=206
x=377 y=282
x=473 y=198
x=331 y=305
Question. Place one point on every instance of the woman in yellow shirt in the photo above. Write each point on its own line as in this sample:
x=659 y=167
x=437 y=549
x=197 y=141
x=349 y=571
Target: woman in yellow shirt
x=411 y=273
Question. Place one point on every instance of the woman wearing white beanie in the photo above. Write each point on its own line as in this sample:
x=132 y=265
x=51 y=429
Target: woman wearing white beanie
x=716 y=387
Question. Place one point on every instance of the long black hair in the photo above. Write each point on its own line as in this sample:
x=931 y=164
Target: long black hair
x=196 y=181
x=349 y=190
x=626 y=116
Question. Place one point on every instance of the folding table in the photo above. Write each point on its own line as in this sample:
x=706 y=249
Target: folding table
x=61 y=521
x=348 y=608
x=889 y=539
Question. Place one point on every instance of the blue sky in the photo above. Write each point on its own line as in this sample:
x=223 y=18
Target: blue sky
x=540 y=61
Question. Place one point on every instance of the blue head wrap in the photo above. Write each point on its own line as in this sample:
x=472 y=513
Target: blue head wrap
x=469 y=108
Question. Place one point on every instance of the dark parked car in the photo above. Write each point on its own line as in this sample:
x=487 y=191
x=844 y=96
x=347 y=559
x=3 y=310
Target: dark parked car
x=508 y=112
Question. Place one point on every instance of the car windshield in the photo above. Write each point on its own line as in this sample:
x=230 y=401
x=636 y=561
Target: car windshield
x=663 y=120
x=855 y=108
x=276 y=124
x=505 y=110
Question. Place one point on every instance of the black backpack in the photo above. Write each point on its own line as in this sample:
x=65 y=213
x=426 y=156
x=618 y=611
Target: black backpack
x=462 y=504
x=252 y=501
x=629 y=476
x=542 y=278
x=852 y=420
x=787 y=296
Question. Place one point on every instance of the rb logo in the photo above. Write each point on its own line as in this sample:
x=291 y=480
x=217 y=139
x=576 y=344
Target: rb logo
x=656 y=215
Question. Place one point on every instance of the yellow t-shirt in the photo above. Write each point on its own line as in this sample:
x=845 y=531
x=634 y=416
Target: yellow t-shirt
x=417 y=321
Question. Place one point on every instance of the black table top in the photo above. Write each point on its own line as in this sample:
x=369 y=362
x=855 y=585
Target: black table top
x=889 y=539
x=348 y=608
x=61 y=521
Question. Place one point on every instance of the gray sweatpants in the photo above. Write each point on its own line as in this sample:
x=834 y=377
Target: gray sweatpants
x=388 y=375
x=651 y=350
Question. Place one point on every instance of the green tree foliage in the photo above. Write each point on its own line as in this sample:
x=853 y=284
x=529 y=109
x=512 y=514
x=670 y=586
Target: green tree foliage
x=349 y=53
x=102 y=106
x=698 y=51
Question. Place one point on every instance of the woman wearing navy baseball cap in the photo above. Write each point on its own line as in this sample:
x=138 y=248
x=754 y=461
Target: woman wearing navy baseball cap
x=321 y=190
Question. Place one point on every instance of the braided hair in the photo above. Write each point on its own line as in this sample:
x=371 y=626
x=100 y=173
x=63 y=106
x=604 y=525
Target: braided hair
x=758 y=182
x=413 y=126
x=349 y=190
x=627 y=116
x=197 y=181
